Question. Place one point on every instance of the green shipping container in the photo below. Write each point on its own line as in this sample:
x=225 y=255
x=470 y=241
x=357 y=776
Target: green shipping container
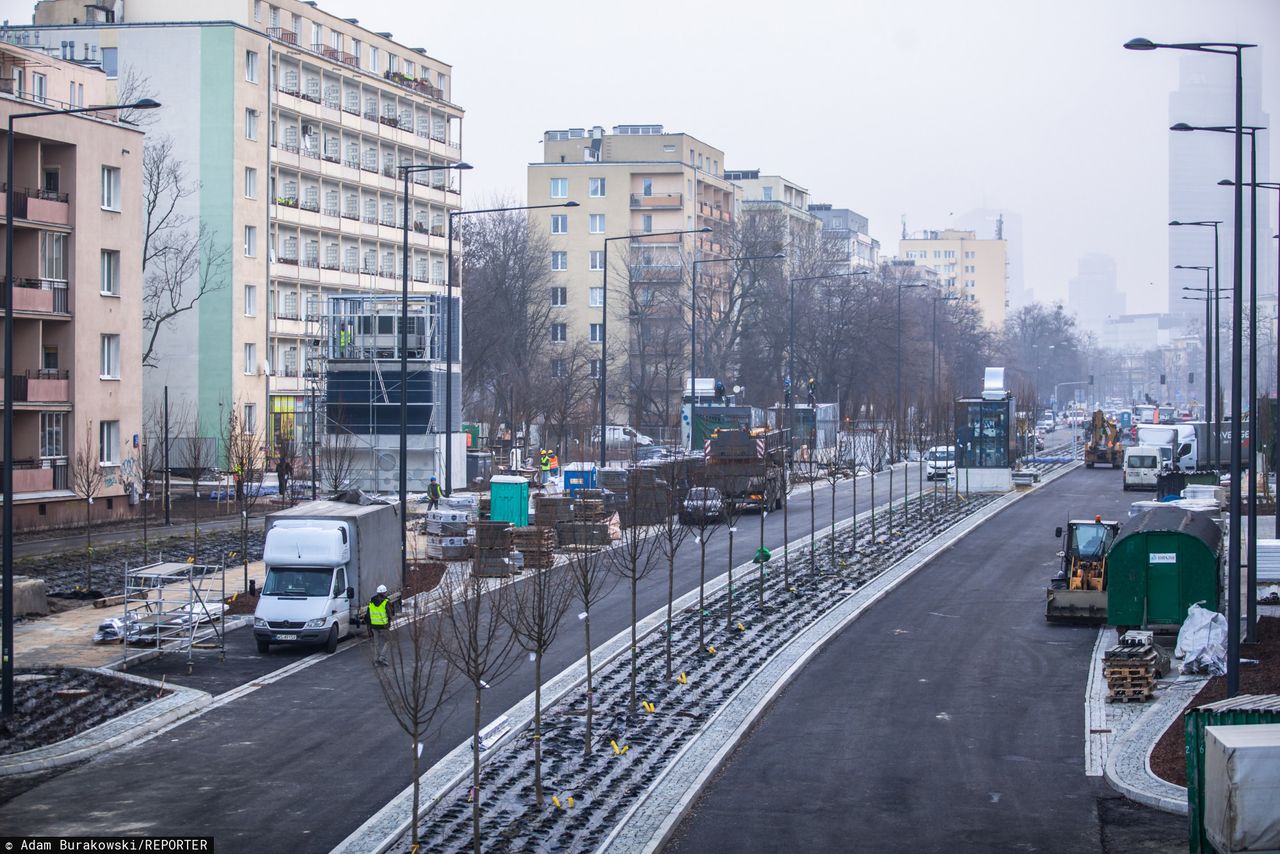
x=509 y=499
x=1162 y=562
x=1238 y=711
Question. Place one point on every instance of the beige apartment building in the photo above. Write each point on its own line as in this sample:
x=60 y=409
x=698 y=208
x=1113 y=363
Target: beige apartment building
x=972 y=269
x=633 y=181
x=291 y=124
x=77 y=291
x=763 y=194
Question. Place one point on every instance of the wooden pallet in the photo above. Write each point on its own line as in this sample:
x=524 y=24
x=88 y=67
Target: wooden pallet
x=1110 y=670
x=1128 y=698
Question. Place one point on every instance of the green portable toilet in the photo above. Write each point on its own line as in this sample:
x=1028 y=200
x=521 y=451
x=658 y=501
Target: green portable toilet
x=509 y=499
x=1162 y=562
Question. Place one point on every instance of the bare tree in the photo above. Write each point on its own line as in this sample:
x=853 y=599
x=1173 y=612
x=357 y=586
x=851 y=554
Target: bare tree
x=591 y=581
x=198 y=456
x=148 y=463
x=131 y=88
x=478 y=646
x=669 y=536
x=415 y=687
x=567 y=392
x=336 y=461
x=243 y=449
x=632 y=559
x=87 y=479
x=834 y=471
x=734 y=506
x=705 y=524
x=538 y=607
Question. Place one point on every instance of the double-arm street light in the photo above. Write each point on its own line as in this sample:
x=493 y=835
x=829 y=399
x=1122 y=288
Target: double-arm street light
x=898 y=415
x=1213 y=404
x=1209 y=299
x=406 y=170
x=6 y=599
x=449 y=324
x=1236 y=50
x=693 y=330
x=604 y=323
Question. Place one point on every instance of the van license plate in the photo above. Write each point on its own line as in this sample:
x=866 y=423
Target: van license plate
x=286 y=637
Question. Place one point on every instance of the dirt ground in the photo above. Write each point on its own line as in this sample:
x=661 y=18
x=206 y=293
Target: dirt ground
x=57 y=703
x=1168 y=760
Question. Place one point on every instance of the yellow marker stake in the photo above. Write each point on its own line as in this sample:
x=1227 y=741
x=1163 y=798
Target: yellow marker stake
x=741 y=627
x=555 y=800
x=615 y=747
x=625 y=749
x=682 y=679
x=570 y=802
x=711 y=649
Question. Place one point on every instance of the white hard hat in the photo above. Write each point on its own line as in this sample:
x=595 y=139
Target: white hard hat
x=382 y=588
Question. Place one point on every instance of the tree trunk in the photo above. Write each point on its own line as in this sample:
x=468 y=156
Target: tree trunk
x=195 y=518
x=475 y=773
x=417 y=787
x=813 y=526
x=730 y=623
x=833 y=525
x=537 y=728
x=88 y=544
x=872 y=478
x=244 y=544
x=891 y=502
x=586 y=625
x=786 y=539
x=671 y=592
x=761 y=564
x=634 y=582
x=702 y=583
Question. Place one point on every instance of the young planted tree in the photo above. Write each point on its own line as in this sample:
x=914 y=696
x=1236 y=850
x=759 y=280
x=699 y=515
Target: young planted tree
x=734 y=507
x=632 y=559
x=704 y=524
x=243 y=449
x=538 y=607
x=87 y=480
x=669 y=535
x=336 y=461
x=478 y=645
x=415 y=686
x=591 y=581
x=833 y=472
x=148 y=464
x=198 y=456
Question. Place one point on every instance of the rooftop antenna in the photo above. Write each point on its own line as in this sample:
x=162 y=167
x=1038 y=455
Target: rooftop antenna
x=904 y=226
x=1000 y=227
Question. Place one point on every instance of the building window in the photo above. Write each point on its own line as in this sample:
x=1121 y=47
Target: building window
x=597 y=333
x=596 y=223
x=250 y=182
x=110 y=188
x=250 y=124
x=970 y=268
x=560 y=261
x=39 y=87
x=257 y=10
x=250 y=300
x=109 y=443
x=646 y=223
x=970 y=253
x=557 y=368
x=595 y=297
x=559 y=296
x=250 y=358
x=110 y=283
x=110 y=358
x=950 y=253
x=768 y=194
x=559 y=224
x=559 y=188
x=110 y=65
x=249 y=424
x=52 y=441
x=250 y=241
x=646 y=186
x=373 y=59
x=595 y=369
x=559 y=333
x=970 y=283
x=595 y=260
x=937 y=253
x=251 y=66
x=595 y=188
x=53 y=254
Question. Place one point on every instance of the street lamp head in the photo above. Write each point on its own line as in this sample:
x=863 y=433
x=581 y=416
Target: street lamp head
x=144 y=104
x=1181 y=127
x=1140 y=44
x=1226 y=182
x=1174 y=222
x=780 y=255
x=462 y=164
x=706 y=229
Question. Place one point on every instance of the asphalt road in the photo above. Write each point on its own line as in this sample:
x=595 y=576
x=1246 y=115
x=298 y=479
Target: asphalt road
x=948 y=718
x=299 y=763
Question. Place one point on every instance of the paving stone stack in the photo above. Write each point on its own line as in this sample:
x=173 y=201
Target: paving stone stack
x=1130 y=668
x=493 y=549
x=646 y=501
x=589 y=527
x=550 y=510
x=537 y=544
x=448 y=533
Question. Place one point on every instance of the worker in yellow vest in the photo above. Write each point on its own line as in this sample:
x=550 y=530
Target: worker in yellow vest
x=544 y=463
x=380 y=624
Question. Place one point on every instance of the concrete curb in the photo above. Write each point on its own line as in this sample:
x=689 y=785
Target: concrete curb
x=1128 y=768
x=117 y=732
x=672 y=797
x=121 y=664
x=391 y=822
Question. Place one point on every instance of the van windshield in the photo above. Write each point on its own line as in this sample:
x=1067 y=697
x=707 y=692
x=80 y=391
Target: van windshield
x=939 y=456
x=297 y=581
x=1142 y=461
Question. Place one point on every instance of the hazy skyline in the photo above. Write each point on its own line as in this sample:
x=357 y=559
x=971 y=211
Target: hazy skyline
x=923 y=109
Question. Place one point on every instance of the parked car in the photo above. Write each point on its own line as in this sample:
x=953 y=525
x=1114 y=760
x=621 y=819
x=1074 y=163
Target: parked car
x=940 y=461
x=703 y=504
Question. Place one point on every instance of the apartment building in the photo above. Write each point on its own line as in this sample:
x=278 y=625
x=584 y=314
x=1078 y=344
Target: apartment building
x=291 y=124
x=971 y=268
x=631 y=182
x=762 y=194
x=846 y=237
x=77 y=295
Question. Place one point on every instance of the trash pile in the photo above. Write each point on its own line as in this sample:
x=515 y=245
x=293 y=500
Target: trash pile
x=1202 y=642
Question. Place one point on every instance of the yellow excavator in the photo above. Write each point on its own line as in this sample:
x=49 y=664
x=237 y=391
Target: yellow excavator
x=1102 y=442
x=1078 y=593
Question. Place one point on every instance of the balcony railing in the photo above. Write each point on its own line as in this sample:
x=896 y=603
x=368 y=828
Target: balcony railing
x=41 y=295
x=42 y=475
x=286 y=36
x=38 y=205
x=42 y=386
x=656 y=272
x=657 y=200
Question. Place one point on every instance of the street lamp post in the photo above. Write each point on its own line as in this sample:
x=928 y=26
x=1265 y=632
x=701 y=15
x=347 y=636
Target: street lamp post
x=933 y=375
x=1209 y=299
x=6 y=599
x=405 y=171
x=604 y=323
x=449 y=342
x=1213 y=403
x=899 y=416
x=1236 y=50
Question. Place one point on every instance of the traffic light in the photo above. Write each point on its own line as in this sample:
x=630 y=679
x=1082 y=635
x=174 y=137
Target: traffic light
x=1090 y=379
x=1162 y=382
x=1191 y=378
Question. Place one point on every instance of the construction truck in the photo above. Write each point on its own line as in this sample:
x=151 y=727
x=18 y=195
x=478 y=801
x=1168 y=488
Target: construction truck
x=1102 y=442
x=748 y=466
x=1078 y=593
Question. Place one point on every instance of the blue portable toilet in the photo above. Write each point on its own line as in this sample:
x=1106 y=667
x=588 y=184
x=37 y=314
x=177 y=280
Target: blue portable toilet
x=578 y=476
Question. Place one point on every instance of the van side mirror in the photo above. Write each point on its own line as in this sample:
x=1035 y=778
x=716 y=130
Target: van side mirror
x=351 y=592
x=1057 y=532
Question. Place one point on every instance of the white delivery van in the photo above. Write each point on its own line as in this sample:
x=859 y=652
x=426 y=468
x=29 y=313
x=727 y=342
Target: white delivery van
x=1141 y=465
x=940 y=461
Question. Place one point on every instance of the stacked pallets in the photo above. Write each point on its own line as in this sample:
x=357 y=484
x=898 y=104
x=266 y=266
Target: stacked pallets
x=1130 y=668
x=448 y=533
x=537 y=544
x=493 y=549
x=550 y=510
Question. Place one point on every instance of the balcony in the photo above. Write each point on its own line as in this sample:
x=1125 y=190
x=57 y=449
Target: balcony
x=420 y=87
x=656 y=201
x=38 y=206
x=40 y=296
x=42 y=475
x=713 y=212
x=657 y=272
x=280 y=33
x=42 y=386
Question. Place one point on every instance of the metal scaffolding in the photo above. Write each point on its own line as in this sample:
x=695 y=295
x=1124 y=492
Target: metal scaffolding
x=175 y=608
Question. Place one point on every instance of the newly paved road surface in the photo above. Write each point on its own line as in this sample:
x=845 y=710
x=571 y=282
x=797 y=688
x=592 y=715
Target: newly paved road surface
x=948 y=718
x=300 y=763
